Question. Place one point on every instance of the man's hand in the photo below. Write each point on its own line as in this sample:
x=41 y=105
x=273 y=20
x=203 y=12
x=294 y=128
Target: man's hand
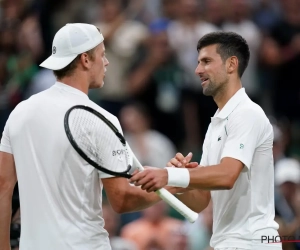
x=151 y=179
x=179 y=161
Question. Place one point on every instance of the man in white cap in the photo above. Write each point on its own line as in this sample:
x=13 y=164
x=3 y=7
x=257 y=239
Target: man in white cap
x=60 y=194
x=287 y=181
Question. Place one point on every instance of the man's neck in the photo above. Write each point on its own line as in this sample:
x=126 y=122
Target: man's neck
x=224 y=96
x=75 y=82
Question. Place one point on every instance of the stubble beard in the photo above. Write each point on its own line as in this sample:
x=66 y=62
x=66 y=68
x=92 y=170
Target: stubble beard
x=210 y=89
x=213 y=89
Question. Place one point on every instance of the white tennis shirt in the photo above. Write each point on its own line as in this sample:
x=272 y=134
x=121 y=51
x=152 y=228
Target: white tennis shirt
x=60 y=194
x=243 y=214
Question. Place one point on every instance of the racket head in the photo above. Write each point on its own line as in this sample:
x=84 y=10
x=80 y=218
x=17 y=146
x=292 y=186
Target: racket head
x=97 y=141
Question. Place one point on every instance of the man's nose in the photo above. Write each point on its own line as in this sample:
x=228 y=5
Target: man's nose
x=199 y=69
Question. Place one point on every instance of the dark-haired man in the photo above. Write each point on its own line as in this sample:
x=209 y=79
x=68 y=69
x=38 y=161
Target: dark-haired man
x=236 y=168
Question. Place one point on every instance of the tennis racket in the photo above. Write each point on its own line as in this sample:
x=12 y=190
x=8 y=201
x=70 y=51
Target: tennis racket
x=100 y=143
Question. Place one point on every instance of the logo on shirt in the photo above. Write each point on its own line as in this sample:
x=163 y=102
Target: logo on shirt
x=118 y=152
x=219 y=138
x=241 y=146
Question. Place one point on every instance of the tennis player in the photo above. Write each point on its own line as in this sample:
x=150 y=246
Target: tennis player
x=236 y=168
x=60 y=194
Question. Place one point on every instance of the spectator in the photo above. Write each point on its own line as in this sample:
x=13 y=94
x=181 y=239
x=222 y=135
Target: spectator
x=155 y=80
x=152 y=230
x=287 y=180
x=286 y=34
x=122 y=38
x=239 y=21
x=178 y=239
x=266 y=14
x=150 y=146
x=214 y=12
x=169 y=10
x=184 y=34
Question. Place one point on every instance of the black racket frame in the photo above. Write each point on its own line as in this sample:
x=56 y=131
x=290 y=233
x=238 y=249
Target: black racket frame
x=124 y=174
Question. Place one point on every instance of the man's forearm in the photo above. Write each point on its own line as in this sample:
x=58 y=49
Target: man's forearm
x=5 y=219
x=195 y=199
x=137 y=199
x=211 y=178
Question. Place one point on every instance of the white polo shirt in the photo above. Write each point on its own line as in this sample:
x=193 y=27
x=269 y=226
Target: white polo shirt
x=60 y=194
x=243 y=214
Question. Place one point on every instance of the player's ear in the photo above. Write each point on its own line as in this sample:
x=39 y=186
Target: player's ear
x=85 y=60
x=232 y=64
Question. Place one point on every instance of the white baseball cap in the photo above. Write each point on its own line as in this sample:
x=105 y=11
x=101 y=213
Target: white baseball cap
x=287 y=170
x=70 y=41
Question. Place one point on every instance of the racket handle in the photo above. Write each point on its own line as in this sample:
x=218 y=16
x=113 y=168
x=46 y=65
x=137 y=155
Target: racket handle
x=179 y=206
x=169 y=198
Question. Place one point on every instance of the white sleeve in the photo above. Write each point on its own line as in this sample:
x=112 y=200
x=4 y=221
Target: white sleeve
x=5 y=145
x=103 y=175
x=244 y=130
x=204 y=158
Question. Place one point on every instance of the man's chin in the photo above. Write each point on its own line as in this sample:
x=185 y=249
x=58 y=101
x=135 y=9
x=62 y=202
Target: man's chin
x=206 y=92
x=96 y=86
x=101 y=85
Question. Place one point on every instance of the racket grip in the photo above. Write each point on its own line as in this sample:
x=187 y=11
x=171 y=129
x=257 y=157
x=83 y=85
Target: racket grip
x=169 y=198
x=179 y=206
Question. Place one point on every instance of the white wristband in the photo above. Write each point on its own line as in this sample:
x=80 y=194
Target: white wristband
x=178 y=177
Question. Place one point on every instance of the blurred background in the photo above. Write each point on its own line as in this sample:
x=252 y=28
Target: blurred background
x=150 y=85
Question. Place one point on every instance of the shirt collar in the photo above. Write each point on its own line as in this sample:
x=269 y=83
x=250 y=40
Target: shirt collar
x=70 y=89
x=231 y=104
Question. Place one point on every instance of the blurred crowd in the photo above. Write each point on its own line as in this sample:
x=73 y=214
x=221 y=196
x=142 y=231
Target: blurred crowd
x=151 y=86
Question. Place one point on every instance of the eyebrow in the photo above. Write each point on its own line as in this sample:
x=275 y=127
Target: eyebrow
x=204 y=59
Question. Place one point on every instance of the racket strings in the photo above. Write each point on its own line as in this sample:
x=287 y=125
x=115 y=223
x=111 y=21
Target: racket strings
x=98 y=141
x=82 y=136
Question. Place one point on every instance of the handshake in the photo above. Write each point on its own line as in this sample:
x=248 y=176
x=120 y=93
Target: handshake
x=176 y=174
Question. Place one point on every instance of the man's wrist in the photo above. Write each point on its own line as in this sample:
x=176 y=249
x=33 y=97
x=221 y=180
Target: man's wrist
x=178 y=177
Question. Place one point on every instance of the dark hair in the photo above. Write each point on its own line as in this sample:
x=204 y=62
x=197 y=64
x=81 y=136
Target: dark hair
x=229 y=44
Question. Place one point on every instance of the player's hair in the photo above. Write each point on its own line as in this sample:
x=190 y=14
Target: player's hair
x=69 y=69
x=229 y=44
